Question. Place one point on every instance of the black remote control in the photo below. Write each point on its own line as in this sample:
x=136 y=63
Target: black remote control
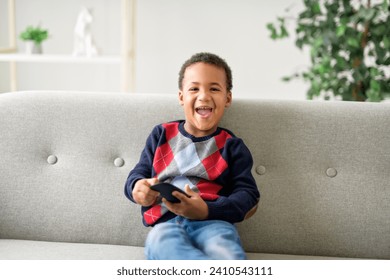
x=166 y=189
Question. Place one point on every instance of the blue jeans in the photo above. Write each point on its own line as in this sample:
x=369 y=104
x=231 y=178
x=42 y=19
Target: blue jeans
x=183 y=239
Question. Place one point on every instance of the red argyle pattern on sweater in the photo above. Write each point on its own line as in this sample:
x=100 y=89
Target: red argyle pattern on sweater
x=164 y=154
x=153 y=214
x=208 y=190
x=180 y=156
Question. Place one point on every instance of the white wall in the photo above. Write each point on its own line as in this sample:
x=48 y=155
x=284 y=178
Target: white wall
x=168 y=32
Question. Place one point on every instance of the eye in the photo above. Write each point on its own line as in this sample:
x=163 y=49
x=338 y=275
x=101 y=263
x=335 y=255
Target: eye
x=215 y=89
x=193 y=89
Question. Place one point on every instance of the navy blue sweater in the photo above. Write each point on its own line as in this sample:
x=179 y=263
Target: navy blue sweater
x=217 y=166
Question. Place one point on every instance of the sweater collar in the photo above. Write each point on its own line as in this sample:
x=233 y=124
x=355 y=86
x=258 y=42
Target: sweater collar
x=194 y=138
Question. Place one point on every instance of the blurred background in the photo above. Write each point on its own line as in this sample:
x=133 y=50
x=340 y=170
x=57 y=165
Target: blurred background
x=164 y=33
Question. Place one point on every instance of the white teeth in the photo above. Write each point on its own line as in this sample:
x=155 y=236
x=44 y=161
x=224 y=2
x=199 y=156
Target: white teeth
x=204 y=111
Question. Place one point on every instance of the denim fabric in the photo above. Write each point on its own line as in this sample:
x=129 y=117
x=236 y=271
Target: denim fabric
x=183 y=239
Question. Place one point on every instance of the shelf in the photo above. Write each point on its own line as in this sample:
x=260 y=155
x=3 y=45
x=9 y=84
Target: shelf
x=125 y=59
x=54 y=58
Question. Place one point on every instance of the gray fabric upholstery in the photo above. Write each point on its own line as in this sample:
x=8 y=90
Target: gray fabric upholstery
x=322 y=169
x=32 y=250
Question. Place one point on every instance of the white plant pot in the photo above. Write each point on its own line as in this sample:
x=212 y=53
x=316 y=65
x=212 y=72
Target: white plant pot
x=32 y=47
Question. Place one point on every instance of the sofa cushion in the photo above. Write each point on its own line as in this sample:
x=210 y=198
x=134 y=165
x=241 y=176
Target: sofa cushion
x=12 y=249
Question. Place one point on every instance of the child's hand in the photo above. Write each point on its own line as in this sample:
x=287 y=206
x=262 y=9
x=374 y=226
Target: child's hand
x=143 y=194
x=194 y=207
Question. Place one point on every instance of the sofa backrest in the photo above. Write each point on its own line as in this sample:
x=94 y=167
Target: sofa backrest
x=322 y=169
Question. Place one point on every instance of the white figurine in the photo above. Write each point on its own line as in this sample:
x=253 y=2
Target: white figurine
x=83 y=42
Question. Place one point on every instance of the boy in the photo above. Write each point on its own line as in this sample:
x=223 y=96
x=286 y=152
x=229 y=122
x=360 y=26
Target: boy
x=210 y=163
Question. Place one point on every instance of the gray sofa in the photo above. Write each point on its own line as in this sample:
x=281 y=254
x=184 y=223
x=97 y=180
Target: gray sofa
x=322 y=169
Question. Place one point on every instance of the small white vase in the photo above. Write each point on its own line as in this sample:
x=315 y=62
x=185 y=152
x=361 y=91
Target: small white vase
x=32 y=47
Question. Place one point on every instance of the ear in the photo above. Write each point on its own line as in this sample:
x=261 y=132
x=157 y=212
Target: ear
x=181 y=98
x=229 y=99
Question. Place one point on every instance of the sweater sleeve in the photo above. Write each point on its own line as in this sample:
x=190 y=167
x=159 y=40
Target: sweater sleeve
x=242 y=194
x=144 y=168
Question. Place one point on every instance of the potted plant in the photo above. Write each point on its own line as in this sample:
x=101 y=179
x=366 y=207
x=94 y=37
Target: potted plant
x=349 y=46
x=33 y=37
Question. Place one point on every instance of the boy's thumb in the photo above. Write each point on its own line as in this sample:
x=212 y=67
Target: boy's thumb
x=152 y=181
x=189 y=191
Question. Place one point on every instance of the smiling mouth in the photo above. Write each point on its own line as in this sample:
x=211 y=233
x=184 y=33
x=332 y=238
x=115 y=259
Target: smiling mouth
x=204 y=111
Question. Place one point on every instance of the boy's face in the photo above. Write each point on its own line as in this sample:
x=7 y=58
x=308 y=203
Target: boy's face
x=204 y=97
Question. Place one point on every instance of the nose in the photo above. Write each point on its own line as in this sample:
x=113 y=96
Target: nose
x=204 y=95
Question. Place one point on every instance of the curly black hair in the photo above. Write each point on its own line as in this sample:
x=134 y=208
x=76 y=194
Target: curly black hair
x=207 y=58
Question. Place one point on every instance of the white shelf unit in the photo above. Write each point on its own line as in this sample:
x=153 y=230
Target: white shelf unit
x=125 y=60
x=54 y=58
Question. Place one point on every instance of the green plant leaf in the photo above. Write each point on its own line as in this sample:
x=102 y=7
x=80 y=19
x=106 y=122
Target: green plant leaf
x=373 y=93
x=315 y=8
x=340 y=31
x=353 y=42
x=386 y=42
